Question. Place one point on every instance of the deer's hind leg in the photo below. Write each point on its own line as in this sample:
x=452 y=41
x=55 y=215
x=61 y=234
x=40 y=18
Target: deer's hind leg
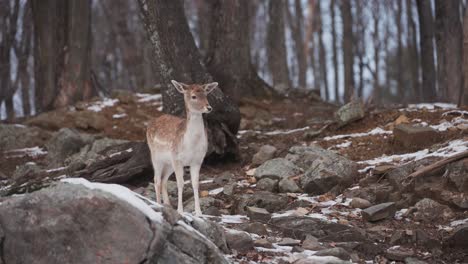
x=166 y=173
x=158 y=169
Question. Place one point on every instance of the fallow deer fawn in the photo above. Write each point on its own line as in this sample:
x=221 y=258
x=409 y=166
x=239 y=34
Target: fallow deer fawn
x=175 y=142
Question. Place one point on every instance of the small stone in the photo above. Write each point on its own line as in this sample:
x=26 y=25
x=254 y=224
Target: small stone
x=239 y=241
x=263 y=243
x=229 y=188
x=382 y=169
x=398 y=253
x=415 y=137
x=350 y=112
x=276 y=169
x=289 y=242
x=429 y=210
x=360 y=203
x=204 y=193
x=379 y=212
x=265 y=153
x=311 y=243
x=338 y=252
x=267 y=184
x=224 y=178
x=258 y=214
x=411 y=260
x=297 y=249
x=287 y=185
x=254 y=228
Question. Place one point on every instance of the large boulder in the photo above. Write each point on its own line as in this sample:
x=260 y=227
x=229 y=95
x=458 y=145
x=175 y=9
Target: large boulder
x=429 y=211
x=19 y=136
x=63 y=144
x=97 y=223
x=265 y=153
x=325 y=170
x=457 y=175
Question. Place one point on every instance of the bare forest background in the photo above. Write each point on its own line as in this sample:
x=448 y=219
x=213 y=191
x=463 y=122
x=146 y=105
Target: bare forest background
x=54 y=53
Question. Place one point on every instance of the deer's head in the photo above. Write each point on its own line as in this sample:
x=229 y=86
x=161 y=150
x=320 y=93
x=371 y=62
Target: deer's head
x=195 y=96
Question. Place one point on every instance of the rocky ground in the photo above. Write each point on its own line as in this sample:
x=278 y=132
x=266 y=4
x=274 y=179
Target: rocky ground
x=314 y=184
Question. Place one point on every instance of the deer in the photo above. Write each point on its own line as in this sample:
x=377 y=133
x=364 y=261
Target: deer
x=176 y=142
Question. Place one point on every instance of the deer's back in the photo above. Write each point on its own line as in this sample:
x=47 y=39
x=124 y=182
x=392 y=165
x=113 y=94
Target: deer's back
x=163 y=131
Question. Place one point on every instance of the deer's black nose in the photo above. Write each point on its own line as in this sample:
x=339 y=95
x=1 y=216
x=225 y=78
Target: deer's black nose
x=209 y=108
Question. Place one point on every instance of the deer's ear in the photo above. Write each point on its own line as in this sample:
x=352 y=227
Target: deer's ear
x=181 y=87
x=209 y=87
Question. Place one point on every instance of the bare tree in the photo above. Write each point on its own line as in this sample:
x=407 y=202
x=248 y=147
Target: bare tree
x=400 y=70
x=62 y=52
x=426 y=31
x=296 y=23
x=276 y=46
x=335 y=51
x=377 y=44
x=23 y=49
x=228 y=58
x=347 y=49
x=449 y=34
x=464 y=92
x=360 y=45
x=322 y=53
x=413 y=51
x=175 y=57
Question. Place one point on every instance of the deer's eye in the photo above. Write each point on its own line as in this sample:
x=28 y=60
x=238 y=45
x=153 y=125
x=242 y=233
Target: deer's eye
x=194 y=97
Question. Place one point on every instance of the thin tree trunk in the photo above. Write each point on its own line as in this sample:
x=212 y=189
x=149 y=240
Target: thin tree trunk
x=449 y=34
x=377 y=44
x=297 y=29
x=23 y=49
x=464 y=92
x=360 y=44
x=426 y=31
x=309 y=38
x=347 y=49
x=175 y=57
x=400 y=71
x=276 y=47
x=335 y=52
x=322 y=53
x=413 y=52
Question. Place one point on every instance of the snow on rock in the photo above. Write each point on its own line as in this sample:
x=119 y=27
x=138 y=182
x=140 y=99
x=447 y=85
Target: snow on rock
x=375 y=131
x=99 y=105
x=117 y=116
x=144 y=97
x=31 y=152
x=454 y=147
x=430 y=106
x=216 y=191
x=120 y=152
x=274 y=132
x=122 y=193
x=234 y=219
x=459 y=222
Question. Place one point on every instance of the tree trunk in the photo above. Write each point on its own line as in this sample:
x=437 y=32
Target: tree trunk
x=62 y=52
x=175 y=57
x=464 y=91
x=426 y=31
x=413 y=52
x=377 y=45
x=228 y=59
x=335 y=52
x=400 y=70
x=23 y=51
x=276 y=47
x=322 y=53
x=296 y=23
x=360 y=44
x=449 y=34
x=347 y=49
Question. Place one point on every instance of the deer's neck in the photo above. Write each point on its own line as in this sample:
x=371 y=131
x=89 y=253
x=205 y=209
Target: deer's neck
x=195 y=128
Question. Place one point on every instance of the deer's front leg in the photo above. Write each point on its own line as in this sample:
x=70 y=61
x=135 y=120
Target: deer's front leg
x=195 y=175
x=179 y=173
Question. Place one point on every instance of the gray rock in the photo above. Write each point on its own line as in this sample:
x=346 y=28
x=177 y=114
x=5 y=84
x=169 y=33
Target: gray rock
x=270 y=202
x=287 y=185
x=277 y=169
x=350 y=112
x=379 y=212
x=287 y=241
x=224 y=178
x=411 y=260
x=321 y=260
x=357 y=202
x=456 y=173
x=26 y=169
x=267 y=184
x=265 y=153
x=239 y=241
x=264 y=243
x=338 y=252
x=62 y=145
x=312 y=243
x=208 y=205
x=459 y=238
x=82 y=224
x=19 y=136
x=398 y=253
x=91 y=152
x=258 y=214
x=325 y=170
x=429 y=210
x=211 y=230
x=228 y=189
x=254 y=228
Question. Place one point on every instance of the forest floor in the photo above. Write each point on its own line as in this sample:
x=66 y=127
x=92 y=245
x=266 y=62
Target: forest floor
x=402 y=237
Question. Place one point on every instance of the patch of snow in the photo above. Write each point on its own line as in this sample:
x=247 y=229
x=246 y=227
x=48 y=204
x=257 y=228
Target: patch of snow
x=430 y=106
x=344 y=144
x=399 y=214
x=99 y=105
x=144 y=97
x=375 y=131
x=201 y=182
x=459 y=112
x=274 y=132
x=31 y=152
x=120 y=152
x=160 y=108
x=122 y=193
x=234 y=219
x=354 y=188
x=216 y=191
x=117 y=116
x=56 y=169
x=459 y=222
